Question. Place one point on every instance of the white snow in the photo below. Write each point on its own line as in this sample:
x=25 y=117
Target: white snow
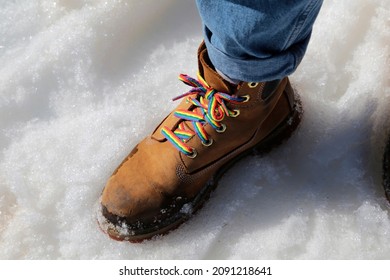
x=81 y=82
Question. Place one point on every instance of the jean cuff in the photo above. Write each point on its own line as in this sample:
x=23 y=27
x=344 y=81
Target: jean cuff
x=256 y=69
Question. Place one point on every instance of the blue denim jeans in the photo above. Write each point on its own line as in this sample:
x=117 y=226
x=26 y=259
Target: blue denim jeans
x=257 y=40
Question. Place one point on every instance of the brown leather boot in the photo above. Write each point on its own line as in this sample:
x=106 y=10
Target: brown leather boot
x=169 y=174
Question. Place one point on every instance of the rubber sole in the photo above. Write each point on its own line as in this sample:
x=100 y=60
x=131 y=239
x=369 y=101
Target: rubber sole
x=274 y=139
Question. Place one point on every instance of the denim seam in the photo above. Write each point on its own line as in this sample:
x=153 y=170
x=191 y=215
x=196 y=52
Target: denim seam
x=300 y=24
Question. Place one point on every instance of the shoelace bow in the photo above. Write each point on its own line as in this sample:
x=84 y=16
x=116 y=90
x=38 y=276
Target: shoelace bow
x=209 y=106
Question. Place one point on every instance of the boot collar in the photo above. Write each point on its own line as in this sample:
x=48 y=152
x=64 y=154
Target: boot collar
x=210 y=75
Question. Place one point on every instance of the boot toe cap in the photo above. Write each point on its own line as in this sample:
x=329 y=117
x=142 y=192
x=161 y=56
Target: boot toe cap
x=124 y=204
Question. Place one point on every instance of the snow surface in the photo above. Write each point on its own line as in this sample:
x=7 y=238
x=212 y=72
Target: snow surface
x=81 y=82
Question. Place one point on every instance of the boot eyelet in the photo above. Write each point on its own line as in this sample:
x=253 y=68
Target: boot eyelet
x=193 y=154
x=221 y=129
x=236 y=113
x=252 y=84
x=207 y=143
x=246 y=98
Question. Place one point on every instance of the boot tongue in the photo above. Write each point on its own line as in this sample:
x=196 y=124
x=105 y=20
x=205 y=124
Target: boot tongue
x=211 y=76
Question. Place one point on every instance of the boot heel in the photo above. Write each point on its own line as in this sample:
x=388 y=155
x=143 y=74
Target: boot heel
x=286 y=128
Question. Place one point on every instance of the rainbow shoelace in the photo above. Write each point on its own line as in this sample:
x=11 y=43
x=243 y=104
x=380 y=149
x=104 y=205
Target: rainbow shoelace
x=209 y=107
